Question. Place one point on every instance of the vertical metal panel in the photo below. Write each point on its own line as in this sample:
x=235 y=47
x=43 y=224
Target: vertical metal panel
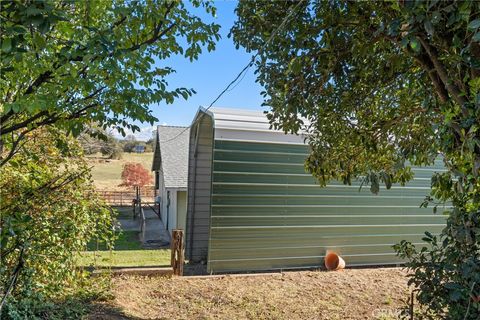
x=267 y=213
x=199 y=189
x=181 y=209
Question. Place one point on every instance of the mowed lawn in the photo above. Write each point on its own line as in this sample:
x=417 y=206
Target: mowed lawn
x=348 y=294
x=125 y=258
x=107 y=174
x=127 y=252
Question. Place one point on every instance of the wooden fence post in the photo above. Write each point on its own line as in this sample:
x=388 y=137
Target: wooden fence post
x=177 y=249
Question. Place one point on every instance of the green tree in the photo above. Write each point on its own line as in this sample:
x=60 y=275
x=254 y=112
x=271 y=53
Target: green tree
x=379 y=86
x=63 y=66
x=68 y=63
x=149 y=145
x=48 y=213
x=110 y=147
x=95 y=139
x=129 y=143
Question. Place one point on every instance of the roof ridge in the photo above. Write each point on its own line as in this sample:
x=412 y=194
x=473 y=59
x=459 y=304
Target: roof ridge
x=238 y=109
x=168 y=126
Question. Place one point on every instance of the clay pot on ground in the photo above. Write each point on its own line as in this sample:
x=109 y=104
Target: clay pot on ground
x=333 y=261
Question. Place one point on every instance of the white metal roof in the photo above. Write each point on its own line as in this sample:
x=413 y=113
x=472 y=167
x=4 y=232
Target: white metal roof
x=248 y=125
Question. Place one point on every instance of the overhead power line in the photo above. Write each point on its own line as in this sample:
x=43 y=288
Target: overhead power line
x=243 y=71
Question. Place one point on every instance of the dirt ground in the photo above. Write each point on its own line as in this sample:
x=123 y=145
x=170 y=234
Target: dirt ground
x=348 y=294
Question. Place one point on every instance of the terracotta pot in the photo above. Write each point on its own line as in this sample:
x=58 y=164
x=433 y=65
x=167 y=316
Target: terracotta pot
x=333 y=261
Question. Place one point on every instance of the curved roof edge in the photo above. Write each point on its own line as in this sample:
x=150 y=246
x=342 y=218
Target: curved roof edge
x=246 y=125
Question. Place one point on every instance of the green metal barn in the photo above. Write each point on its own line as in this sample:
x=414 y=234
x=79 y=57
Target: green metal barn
x=252 y=206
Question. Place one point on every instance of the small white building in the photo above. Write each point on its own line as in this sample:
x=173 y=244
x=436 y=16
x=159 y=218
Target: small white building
x=170 y=164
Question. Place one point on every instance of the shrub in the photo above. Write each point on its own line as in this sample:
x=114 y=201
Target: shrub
x=446 y=272
x=49 y=212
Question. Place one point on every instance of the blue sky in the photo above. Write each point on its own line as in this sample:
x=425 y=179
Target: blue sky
x=208 y=76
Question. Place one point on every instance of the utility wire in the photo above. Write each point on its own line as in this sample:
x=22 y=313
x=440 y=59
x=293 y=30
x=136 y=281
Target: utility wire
x=244 y=70
x=238 y=82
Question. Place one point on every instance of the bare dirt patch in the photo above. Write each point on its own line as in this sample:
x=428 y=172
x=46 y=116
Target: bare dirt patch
x=348 y=294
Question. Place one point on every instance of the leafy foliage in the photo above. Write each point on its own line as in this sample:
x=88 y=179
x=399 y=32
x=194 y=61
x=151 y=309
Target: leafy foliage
x=65 y=65
x=134 y=174
x=49 y=211
x=70 y=63
x=37 y=306
x=377 y=86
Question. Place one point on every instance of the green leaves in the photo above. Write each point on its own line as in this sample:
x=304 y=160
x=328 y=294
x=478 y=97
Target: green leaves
x=72 y=72
x=428 y=237
x=377 y=88
x=474 y=25
x=64 y=66
x=32 y=10
x=50 y=209
x=455 y=290
x=39 y=41
x=295 y=65
x=6 y=45
x=476 y=37
x=429 y=27
x=415 y=45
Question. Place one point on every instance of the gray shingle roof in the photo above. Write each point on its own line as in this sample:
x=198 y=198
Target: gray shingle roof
x=172 y=155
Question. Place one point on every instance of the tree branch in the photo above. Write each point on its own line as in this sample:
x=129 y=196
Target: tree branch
x=442 y=73
x=426 y=64
x=5 y=117
x=43 y=77
x=48 y=187
x=14 y=148
x=23 y=123
x=52 y=116
x=14 y=278
x=156 y=33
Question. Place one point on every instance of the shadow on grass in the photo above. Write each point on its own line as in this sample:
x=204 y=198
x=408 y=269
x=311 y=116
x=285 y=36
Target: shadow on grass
x=106 y=312
x=126 y=240
x=125 y=212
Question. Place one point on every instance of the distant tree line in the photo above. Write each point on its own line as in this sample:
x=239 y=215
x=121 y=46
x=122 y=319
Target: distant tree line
x=130 y=142
x=96 y=140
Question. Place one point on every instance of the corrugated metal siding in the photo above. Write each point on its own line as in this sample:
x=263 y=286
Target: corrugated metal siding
x=267 y=213
x=199 y=190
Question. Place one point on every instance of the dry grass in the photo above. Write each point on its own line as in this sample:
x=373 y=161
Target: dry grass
x=348 y=294
x=107 y=173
